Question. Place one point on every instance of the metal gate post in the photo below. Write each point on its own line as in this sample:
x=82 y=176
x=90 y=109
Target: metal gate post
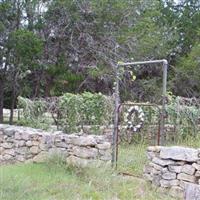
x=116 y=119
x=164 y=97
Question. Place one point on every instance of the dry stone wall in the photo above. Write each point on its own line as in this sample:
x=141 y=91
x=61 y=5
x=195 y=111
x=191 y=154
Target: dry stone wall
x=175 y=169
x=23 y=144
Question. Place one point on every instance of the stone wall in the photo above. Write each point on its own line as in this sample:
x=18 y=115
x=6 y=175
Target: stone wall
x=23 y=144
x=176 y=169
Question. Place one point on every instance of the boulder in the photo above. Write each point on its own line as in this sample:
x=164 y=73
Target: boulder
x=78 y=162
x=84 y=141
x=158 y=167
x=41 y=157
x=105 y=145
x=180 y=153
x=7 y=145
x=34 y=150
x=162 y=162
x=192 y=192
x=186 y=177
x=84 y=152
x=177 y=192
x=175 y=168
x=169 y=183
x=197 y=174
x=154 y=148
x=196 y=166
x=188 y=169
x=19 y=143
x=9 y=131
x=169 y=176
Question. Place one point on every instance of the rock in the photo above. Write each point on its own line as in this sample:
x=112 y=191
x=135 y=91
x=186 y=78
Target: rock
x=196 y=166
x=8 y=157
x=165 y=170
x=151 y=155
x=9 y=131
x=158 y=167
x=1 y=150
x=188 y=169
x=78 y=162
x=155 y=172
x=1 y=138
x=1 y=158
x=7 y=145
x=176 y=191
x=10 y=152
x=174 y=168
x=34 y=150
x=148 y=177
x=106 y=157
x=174 y=182
x=25 y=136
x=58 y=152
x=105 y=145
x=19 y=143
x=168 y=183
x=192 y=192
x=20 y=158
x=162 y=162
x=22 y=150
x=44 y=147
x=154 y=148
x=183 y=184
x=41 y=157
x=165 y=183
x=61 y=144
x=84 y=141
x=105 y=152
x=18 y=136
x=180 y=163
x=35 y=143
x=29 y=143
x=147 y=169
x=179 y=153
x=197 y=174
x=156 y=180
x=84 y=152
x=169 y=176
x=186 y=177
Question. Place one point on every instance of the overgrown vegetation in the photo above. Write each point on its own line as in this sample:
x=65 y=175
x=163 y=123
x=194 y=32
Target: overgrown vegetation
x=70 y=111
x=55 y=180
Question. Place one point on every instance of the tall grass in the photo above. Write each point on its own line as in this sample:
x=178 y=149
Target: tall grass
x=54 y=180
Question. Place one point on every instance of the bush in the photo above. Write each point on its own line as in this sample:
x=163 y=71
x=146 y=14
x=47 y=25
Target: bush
x=70 y=113
x=85 y=109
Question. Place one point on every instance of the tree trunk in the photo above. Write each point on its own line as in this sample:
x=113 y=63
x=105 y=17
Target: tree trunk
x=13 y=100
x=1 y=99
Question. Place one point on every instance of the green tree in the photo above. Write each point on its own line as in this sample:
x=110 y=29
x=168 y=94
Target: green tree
x=25 y=49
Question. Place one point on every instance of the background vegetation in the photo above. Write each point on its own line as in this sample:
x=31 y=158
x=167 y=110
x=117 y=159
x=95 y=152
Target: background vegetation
x=48 y=48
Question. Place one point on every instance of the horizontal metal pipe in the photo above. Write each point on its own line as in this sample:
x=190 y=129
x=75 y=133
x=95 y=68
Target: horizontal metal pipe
x=143 y=62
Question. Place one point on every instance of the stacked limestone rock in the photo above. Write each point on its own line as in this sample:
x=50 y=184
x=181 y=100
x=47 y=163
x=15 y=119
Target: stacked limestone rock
x=174 y=168
x=20 y=144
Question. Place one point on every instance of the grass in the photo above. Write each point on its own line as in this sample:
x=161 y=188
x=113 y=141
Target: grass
x=55 y=180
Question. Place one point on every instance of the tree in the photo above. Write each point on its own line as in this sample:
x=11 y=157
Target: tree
x=25 y=48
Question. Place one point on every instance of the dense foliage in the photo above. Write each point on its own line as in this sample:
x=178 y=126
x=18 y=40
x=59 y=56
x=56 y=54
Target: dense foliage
x=48 y=48
x=69 y=113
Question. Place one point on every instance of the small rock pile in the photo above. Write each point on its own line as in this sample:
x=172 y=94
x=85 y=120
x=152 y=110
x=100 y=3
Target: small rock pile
x=174 y=168
x=22 y=144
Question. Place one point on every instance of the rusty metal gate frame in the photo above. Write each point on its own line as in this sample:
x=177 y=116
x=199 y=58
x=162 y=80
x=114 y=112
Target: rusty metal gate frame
x=117 y=100
x=139 y=104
